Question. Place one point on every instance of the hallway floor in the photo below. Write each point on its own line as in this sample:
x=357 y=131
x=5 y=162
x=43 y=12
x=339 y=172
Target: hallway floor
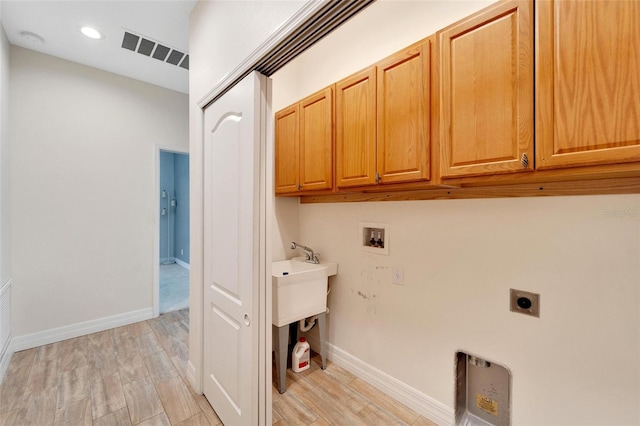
x=174 y=288
x=136 y=375
x=131 y=375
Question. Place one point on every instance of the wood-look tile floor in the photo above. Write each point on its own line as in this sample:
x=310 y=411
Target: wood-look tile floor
x=136 y=375
x=131 y=375
x=336 y=397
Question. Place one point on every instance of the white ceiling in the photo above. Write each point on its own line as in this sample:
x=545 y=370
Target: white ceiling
x=59 y=22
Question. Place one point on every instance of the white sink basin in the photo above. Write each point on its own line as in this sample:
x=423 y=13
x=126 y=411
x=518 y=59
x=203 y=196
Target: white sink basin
x=299 y=289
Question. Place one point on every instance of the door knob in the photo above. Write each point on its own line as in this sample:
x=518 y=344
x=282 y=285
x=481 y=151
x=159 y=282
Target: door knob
x=247 y=320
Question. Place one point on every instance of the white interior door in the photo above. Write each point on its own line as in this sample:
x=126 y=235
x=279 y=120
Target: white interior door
x=234 y=250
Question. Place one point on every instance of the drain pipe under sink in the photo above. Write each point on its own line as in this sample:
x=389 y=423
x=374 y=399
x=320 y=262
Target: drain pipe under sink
x=307 y=324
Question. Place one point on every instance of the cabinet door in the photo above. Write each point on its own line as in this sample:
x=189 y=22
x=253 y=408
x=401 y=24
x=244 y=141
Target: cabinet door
x=486 y=90
x=587 y=82
x=356 y=130
x=404 y=115
x=316 y=141
x=287 y=161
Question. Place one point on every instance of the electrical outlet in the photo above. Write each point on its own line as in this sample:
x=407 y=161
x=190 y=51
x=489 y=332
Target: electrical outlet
x=524 y=302
x=397 y=275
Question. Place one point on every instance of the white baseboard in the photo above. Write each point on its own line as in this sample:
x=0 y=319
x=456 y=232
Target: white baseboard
x=53 y=335
x=419 y=402
x=184 y=264
x=191 y=376
x=5 y=358
x=6 y=348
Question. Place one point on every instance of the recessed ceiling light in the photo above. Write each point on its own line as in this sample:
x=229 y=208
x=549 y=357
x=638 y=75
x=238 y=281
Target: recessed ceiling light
x=91 y=32
x=31 y=37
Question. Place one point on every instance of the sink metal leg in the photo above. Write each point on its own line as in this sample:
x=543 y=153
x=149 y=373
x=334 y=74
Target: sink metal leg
x=282 y=350
x=293 y=334
x=322 y=329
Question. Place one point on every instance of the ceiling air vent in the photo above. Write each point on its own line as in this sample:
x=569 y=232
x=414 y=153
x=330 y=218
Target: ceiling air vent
x=152 y=49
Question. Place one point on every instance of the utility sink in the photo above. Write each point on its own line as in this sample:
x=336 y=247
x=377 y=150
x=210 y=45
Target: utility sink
x=299 y=289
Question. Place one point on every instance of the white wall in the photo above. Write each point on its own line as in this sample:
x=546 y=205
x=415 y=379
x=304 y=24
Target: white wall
x=5 y=247
x=381 y=29
x=83 y=189
x=223 y=33
x=580 y=360
x=5 y=213
x=578 y=364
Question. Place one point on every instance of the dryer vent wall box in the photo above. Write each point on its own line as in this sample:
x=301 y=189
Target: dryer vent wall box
x=483 y=392
x=374 y=237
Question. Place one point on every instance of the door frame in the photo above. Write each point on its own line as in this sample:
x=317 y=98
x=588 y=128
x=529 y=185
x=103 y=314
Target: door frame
x=259 y=130
x=195 y=365
x=156 y=220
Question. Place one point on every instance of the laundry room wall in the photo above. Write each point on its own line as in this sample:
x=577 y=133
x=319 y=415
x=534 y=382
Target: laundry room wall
x=579 y=363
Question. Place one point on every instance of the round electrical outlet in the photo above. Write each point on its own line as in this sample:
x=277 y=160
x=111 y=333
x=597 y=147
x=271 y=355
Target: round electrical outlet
x=524 y=302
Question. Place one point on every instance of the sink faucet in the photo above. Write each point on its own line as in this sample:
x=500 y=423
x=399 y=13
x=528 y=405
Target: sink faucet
x=310 y=256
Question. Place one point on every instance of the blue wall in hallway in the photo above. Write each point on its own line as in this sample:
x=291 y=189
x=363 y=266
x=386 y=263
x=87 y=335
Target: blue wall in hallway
x=181 y=167
x=174 y=180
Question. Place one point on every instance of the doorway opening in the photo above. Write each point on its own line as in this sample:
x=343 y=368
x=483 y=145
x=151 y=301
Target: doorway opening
x=173 y=231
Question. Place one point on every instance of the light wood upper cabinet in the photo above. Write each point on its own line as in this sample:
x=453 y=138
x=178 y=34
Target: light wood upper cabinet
x=383 y=121
x=587 y=82
x=316 y=141
x=461 y=107
x=486 y=92
x=404 y=125
x=356 y=130
x=304 y=145
x=287 y=151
